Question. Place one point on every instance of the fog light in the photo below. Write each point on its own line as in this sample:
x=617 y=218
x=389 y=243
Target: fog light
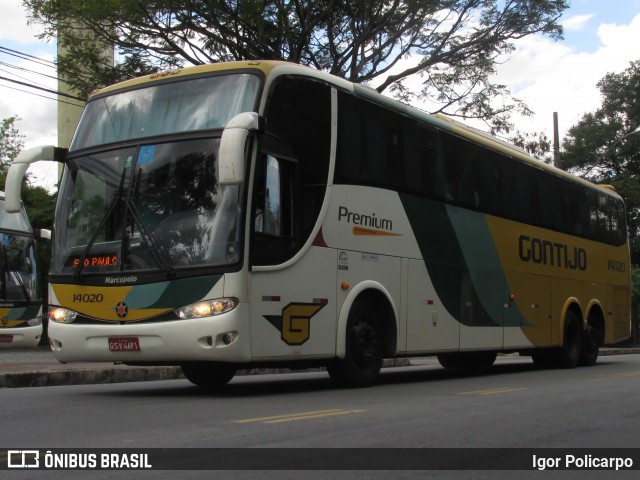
x=229 y=337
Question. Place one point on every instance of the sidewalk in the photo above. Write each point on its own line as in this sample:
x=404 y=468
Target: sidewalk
x=39 y=368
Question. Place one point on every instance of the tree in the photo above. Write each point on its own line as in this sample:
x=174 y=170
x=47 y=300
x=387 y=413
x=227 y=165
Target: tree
x=11 y=142
x=602 y=147
x=450 y=46
x=538 y=145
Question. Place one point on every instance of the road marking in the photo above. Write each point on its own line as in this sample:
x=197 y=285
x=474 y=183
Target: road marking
x=292 y=417
x=614 y=376
x=493 y=391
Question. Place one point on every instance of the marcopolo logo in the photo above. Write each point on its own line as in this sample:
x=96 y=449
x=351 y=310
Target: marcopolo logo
x=118 y=280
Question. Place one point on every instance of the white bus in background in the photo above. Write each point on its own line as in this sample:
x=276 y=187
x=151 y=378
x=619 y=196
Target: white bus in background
x=20 y=291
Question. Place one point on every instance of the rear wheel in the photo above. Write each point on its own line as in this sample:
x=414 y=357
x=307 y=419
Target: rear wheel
x=467 y=359
x=569 y=354
x=591 y=339
x=211 y=376
x=363 y=358
x=572 y=345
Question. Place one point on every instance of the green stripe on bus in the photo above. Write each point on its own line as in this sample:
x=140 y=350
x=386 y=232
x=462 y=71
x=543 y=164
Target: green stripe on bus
x=171 y=294
x=460 y=256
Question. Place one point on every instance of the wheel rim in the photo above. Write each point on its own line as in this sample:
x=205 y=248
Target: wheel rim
x=365 y=344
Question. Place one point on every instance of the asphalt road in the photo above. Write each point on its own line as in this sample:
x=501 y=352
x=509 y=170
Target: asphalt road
x=510 y=405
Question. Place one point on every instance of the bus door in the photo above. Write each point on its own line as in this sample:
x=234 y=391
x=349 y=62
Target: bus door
x=292 y=289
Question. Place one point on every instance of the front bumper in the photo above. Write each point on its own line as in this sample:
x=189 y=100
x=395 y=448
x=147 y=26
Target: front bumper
x=163 y=342
x=20 y=337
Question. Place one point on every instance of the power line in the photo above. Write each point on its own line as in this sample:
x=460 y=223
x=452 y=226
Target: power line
x=40 y=61
x=16 y=67
x=26 y=56
x=42 y=96
x=48 y=90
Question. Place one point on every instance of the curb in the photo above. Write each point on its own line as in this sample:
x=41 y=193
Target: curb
x=88 y=376
x=124 y=374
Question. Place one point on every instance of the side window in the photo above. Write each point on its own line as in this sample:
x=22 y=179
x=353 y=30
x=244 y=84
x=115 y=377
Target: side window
x=274 y=200
x=371 y=143
x=274 y=224
x=291 y=174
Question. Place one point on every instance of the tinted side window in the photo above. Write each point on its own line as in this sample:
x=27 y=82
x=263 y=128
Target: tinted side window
x=291 y=175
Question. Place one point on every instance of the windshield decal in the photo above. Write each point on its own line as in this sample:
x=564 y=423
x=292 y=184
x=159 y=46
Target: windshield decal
x=146 y=154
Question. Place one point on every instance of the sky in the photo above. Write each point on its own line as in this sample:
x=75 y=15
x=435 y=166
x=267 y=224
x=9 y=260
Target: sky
x=600 y=36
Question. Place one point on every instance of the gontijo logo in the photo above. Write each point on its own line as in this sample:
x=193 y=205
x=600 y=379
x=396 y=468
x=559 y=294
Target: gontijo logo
x=554 y=254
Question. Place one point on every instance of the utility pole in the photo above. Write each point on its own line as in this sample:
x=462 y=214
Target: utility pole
x=69 y=112
x=556 y=141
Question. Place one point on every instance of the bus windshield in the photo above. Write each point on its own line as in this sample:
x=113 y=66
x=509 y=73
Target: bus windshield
x=147 y=207
x=152 y=205
x=18 y=268
x=204 y=103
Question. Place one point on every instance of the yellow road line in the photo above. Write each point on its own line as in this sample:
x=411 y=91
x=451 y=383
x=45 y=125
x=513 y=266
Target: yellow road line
x=614 y=376
x=493 y=391
x=298 y=416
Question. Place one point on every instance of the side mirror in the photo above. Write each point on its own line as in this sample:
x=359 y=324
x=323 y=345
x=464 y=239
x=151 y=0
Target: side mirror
x=231 y=158
x=18 y=168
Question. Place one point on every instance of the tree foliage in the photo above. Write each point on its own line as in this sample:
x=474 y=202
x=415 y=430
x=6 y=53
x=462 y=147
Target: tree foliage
x=537 y=144
x=11 y=142
x=451 y=47
x=603 y=146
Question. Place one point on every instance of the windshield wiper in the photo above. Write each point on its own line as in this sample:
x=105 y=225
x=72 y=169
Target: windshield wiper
x=160 y=260
x=114 y=203
x=148 y=239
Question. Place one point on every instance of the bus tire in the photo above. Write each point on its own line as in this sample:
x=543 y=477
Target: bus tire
x=567 y=356
x=467 y=359
x=569 y=353
x=210 y=376
x=362 y=362
x=590 y=346
x=544 y=358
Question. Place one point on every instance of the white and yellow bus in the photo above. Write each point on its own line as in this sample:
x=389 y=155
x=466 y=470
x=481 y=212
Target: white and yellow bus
x=263 y=213
x=20 y=292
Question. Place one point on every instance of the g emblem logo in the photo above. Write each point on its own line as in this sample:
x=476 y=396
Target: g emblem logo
x=295 y=323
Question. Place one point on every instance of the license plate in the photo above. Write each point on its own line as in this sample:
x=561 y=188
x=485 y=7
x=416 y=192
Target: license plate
x=6 y=338
x=124 y=344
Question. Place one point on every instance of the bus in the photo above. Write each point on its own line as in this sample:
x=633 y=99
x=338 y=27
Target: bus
x=262 y=213
x=20 y=291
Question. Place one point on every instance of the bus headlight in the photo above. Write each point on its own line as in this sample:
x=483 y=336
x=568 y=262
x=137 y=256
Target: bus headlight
x=207 y=308
x=62 y=315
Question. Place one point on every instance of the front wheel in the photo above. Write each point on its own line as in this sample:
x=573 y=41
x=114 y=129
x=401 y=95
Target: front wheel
x=210 y=376
x=363 y=358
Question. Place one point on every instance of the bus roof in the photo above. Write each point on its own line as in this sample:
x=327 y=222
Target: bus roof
x=437 y=120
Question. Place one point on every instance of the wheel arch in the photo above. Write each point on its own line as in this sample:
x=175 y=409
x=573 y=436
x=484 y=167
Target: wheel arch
x=377 y=295
x=570 y=305
x=595 y=318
